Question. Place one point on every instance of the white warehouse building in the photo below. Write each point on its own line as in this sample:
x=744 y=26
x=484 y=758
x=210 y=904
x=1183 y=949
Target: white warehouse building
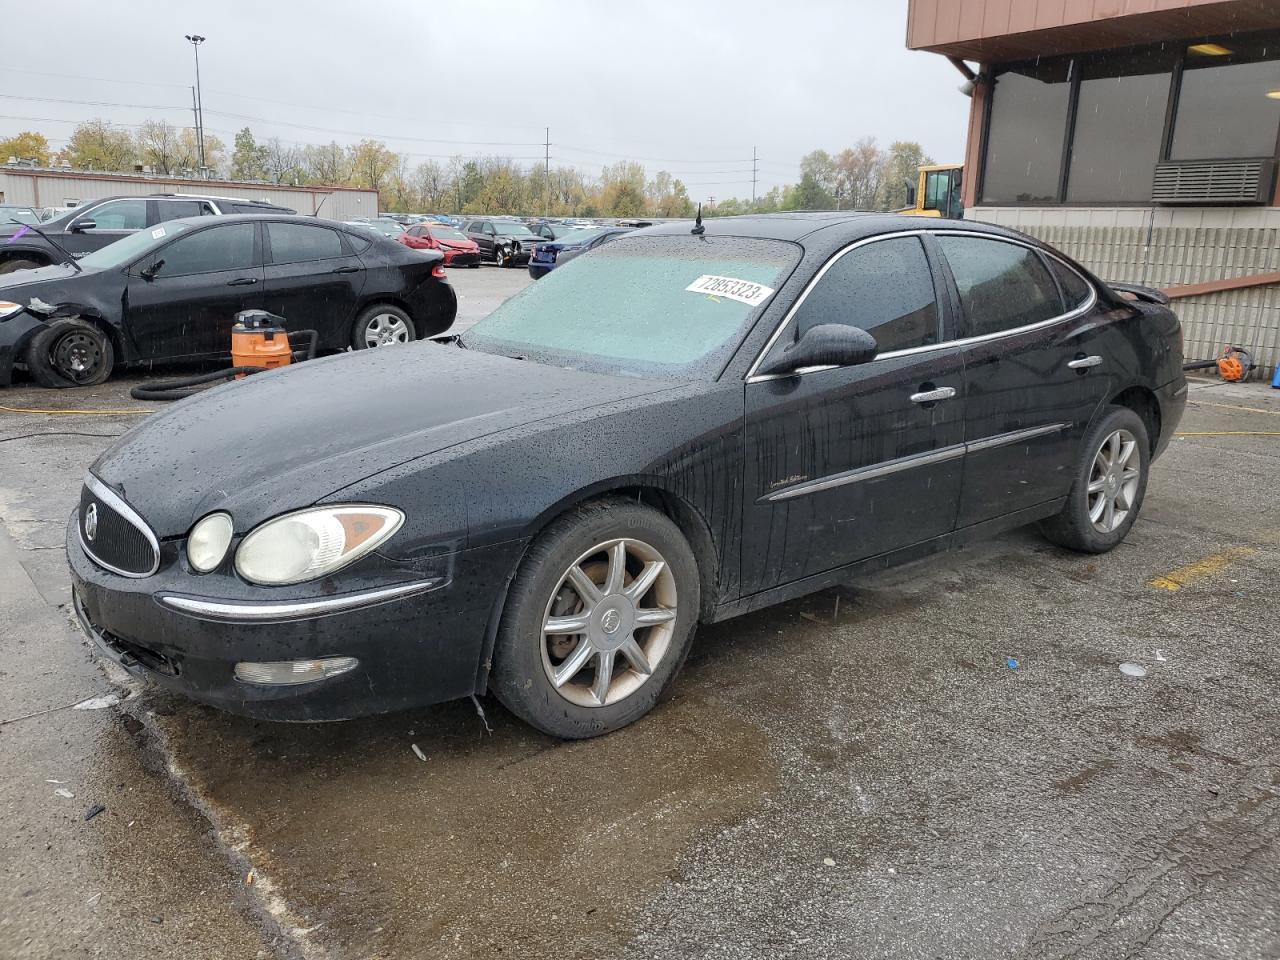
x=36 y=187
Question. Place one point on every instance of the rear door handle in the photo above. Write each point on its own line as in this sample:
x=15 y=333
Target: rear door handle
x=243 y=282
x=933 y=396
x=347 y=270
x=1084 y=363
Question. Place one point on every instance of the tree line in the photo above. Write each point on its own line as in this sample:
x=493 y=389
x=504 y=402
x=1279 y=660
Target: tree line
x=861 y=177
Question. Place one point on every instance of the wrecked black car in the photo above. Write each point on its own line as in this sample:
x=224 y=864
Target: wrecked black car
x=682 y=427
x=172 y=293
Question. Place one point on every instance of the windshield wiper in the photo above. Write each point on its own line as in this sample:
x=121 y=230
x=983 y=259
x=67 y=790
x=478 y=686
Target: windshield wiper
x=52 y=242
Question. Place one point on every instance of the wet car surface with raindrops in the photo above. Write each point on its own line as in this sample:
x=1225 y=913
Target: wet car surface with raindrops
x=941 y=759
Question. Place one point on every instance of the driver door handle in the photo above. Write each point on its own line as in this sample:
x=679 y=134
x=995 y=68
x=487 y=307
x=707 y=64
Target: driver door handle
x=1084 y=363
x=933 y=396
x=347 y=270
x=243 y=282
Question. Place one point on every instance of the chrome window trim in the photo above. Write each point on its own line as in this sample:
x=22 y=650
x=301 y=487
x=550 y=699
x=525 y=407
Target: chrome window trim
x=277 y=610
x=888 y=467
x=753 y=377
x=112 y=499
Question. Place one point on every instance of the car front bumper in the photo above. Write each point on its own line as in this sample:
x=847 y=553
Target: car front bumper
x=461 y=258
x=418 y=640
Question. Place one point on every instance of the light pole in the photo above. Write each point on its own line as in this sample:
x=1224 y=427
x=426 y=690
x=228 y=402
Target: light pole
x=196 y=40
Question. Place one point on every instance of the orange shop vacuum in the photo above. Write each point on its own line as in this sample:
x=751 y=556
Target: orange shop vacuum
x=259 y=341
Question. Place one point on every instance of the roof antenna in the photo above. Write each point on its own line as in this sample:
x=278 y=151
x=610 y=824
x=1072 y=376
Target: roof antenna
x=698 y=229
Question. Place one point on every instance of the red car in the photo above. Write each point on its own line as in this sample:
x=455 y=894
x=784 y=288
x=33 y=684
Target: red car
x=458 y=249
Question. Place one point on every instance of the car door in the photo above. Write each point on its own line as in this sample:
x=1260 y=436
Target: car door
x=110 y=221
x=200 y=282
x=314 y=279
x=1034 y=372
x=845 y=463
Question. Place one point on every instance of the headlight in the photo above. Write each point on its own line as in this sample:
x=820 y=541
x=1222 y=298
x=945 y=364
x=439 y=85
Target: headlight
x=8 y=308
x=313 y=543
x=208 y=541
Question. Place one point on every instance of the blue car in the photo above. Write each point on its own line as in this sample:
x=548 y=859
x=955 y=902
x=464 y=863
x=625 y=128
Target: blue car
x=547 y=256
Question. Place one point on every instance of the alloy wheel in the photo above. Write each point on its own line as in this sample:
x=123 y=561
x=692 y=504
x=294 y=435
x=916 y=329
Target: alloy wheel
x=1113 y=481
x=609 y=622
x=77 y=356
x=386 y=329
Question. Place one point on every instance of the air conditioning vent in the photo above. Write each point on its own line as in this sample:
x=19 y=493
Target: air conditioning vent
x=1214 y=181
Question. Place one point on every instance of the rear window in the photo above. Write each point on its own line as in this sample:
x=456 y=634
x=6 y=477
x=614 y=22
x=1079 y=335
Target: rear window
x=665 y=306
x=298 y=242
x=1075 y=290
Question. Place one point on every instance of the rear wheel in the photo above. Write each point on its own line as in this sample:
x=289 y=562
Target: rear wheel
x=69 y=352
x=1110 y=483
x=598 y=620
x=382 y=325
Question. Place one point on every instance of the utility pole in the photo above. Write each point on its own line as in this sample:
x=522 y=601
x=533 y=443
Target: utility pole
x=754 y=159
x=546 y=176
x=195 y=40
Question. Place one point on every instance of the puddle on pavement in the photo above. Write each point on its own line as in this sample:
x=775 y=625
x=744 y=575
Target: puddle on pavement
x=513 y=844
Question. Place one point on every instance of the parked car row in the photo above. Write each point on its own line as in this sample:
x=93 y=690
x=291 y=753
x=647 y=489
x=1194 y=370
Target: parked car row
x=172 y=292
x=547 y=256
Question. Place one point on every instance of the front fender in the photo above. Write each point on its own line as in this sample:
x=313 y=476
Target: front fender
x=15 y=334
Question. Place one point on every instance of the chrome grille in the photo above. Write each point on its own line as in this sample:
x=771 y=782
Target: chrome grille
x=113 y=535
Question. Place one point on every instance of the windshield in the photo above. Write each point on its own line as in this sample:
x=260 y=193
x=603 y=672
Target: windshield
x=21 y=214
x=441 y=232
x=665 y=306
x=388 y=228
x=132 y=247
x=511 y=229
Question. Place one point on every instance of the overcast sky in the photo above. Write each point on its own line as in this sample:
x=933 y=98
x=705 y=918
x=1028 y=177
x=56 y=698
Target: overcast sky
x=690 y=86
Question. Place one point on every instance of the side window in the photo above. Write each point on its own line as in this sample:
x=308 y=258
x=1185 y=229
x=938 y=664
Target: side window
x=216 y=249
x=885 y=287
x=177 y=209
x=297 y=242
x=1002 y=285
x=1075 y=289
x=119 y=215
x=359 y=242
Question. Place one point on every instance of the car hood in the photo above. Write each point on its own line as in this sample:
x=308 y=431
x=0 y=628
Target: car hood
x=283 y=440
x=53 y=285
x=459 y=244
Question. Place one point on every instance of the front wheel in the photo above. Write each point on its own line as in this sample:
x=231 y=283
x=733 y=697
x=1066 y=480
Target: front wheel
x=382 y=325
x=1110 y=483
x=598 y=620
x=70 y=352
x=13 y=266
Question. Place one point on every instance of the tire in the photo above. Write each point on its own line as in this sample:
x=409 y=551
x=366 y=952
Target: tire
x=525 y=657
x=1117 y=495
x=13 y=266
x=382 y=325
x=69 y=352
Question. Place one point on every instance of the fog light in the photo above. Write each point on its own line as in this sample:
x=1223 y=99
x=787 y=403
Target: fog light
x=283 y=672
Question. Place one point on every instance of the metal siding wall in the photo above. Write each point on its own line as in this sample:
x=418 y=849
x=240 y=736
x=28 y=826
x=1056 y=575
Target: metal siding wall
x=1191 y=248
x=342 y=204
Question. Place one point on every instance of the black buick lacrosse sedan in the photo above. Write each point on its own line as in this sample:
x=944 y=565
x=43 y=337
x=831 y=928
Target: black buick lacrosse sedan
x=684 y=426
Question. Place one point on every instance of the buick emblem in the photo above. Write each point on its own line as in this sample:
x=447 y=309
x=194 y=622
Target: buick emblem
x=91 y=522
x=611 y=621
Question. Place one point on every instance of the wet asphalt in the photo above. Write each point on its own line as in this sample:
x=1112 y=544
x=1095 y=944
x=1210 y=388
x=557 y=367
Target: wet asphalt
x=942 y=761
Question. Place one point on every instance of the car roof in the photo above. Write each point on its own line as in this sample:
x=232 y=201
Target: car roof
x=798 y=225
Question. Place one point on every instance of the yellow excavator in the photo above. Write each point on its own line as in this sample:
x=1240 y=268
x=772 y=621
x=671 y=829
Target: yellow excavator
x=936 y=192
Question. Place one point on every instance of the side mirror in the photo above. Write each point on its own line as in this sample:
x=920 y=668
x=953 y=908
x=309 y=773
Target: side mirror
x=911 y=193
x=149 y=273
x=80 y=226
x=824 y=345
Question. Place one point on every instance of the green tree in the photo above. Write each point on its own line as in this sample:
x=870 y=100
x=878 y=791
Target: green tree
x=160 y=147
x=327 y=163
x=248 y=160
x=27 y=145
x=811 y=195
x=372 y=165
x=899 y=172
x=97 y=145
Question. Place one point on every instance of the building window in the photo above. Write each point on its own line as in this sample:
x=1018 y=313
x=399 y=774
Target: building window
x=1119 y=126
x=1025 y=136
x=1229 y=101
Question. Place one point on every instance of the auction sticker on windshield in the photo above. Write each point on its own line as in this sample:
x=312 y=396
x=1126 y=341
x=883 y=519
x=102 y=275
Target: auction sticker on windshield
x=744 y=291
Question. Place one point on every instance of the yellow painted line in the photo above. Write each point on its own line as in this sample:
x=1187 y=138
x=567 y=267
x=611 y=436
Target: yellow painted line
x=79 y=413
x=1233 y=406
x=1232 y=433
x=1209 y=566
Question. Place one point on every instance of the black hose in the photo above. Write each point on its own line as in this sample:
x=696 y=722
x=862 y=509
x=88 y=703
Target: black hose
x=178 y=389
